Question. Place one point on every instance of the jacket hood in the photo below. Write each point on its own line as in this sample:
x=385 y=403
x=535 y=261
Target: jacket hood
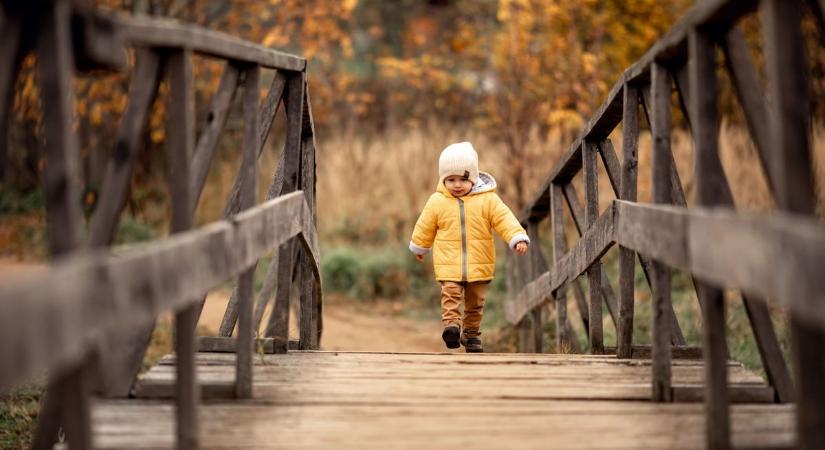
x=486 y=183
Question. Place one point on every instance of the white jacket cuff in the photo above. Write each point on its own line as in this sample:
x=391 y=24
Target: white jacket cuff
x=418 y=250
x=521 y=237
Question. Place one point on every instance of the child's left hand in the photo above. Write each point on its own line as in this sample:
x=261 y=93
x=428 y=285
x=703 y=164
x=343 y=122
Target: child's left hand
x=521 y=248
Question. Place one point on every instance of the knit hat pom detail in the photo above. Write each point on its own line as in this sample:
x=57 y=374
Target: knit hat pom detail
x=458 y=159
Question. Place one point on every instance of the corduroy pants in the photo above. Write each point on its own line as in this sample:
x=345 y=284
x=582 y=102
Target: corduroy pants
x=473 y=295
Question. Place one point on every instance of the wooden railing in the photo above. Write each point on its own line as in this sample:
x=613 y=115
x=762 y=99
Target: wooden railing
x=86 y=321
x=771 y=259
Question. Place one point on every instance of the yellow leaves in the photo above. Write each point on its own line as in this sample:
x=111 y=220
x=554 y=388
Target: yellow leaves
x=96 y=115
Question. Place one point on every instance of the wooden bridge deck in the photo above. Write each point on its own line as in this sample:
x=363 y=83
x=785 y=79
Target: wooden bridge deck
x=384 y=400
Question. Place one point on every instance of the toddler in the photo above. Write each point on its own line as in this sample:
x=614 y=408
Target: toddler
x=457 y=224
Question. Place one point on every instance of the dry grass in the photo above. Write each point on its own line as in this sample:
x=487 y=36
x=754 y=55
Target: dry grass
x=371 y=189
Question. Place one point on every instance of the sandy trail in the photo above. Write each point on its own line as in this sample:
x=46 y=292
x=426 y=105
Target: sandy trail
x=348 y=324
x=351 y=325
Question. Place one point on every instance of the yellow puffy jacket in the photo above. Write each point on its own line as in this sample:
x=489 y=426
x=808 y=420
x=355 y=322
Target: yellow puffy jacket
x=459 y=231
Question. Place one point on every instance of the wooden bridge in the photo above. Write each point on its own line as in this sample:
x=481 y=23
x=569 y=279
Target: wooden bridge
x=86 y=320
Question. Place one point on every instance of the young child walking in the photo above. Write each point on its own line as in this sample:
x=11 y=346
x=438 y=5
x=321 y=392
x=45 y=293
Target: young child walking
x=457 y=224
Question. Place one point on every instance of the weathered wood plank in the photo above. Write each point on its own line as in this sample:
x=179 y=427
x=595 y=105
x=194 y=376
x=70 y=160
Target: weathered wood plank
x=677 y=351
x=790 y=168
x=578 y=215
x=220 y=344
x=595 y=243
x=627 y=191
x=249 y=188
x=86 y=294
x=742 y=254
x=145 y=31
x=278 y=327
x=594 y=271
x=744 y=78
x=63 y=222
x=559 y=250
x=660 y=122
x=710 y=180
x=180 y=144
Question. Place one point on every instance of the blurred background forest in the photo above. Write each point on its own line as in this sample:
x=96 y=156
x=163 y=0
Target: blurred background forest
x=392 y=83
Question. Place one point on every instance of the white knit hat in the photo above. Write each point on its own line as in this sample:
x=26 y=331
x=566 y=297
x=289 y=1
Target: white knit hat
x=458 y=159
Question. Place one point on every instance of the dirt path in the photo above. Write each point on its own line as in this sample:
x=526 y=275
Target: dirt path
x=348 y=324
x=352 y=325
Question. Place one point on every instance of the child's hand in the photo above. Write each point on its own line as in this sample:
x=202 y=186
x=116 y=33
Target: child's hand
x=521 y=248
x=420 y=258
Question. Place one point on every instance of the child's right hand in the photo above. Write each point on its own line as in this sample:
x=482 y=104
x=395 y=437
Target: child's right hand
x=420 y=258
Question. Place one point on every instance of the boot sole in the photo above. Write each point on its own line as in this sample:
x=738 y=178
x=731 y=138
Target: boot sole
x=467 y=350
x=451 y=336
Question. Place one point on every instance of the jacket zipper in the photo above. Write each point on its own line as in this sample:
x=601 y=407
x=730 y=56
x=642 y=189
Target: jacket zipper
x=463 y=240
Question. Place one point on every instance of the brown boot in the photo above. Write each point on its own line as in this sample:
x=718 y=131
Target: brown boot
x=471 y=341
x=451 y=335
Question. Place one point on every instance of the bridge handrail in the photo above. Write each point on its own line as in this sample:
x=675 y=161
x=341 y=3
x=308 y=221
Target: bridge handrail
x=84 y=319
x=772 y=258
x=83 y=296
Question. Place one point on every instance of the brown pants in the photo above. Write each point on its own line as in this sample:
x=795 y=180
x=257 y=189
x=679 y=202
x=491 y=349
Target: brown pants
x=473 y=293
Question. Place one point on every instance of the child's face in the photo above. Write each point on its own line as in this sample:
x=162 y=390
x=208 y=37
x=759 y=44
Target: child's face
x=457 y=185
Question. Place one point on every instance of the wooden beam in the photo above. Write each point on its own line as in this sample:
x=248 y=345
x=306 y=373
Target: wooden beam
x=84 y=295
x=710 y=181
x=742 y=253
x=661 y=304
x=294 y=97
x=559 y=250
x=246 y=282
x=790 y=168
x=180 y=144
x=748 y=89
x=627 y=191
x=145 y=31
x=594 y=271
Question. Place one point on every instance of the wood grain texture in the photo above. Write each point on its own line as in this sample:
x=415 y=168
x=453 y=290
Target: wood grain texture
x=63 y=220
x=378 y=400
x=791 y=172
x=84 y=295
x=660 y=122
x=594 y=272
x=143 y=31
x=710 y=181
x=627 y=191
x=559 y=250
x=249 y=187
x=748 y=89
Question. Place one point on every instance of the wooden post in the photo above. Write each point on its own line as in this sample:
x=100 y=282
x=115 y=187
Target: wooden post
x=180 y=143
x=278 y=327
x=559 y=250
x=594 y=273
x=627 y=257
x=66 y=400
x=660 y=127
x=537 y=266
x=710 y=180
x=248 y=175
x=790 y=170
x=749 y=91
